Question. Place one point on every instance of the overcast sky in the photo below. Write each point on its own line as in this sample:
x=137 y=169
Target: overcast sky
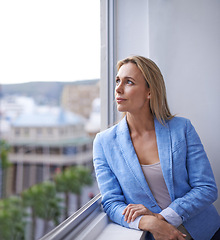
x=49 y=40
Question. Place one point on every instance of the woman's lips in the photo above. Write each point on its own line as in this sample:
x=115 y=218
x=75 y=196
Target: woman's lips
x=120 y=100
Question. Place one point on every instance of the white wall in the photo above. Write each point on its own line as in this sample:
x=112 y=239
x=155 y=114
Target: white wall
x=132 y=22
x=183 y=38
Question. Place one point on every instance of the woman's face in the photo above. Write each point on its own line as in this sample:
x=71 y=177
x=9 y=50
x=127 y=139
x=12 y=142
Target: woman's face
x=131 y=91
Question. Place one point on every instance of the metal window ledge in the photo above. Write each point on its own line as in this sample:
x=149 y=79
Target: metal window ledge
x=90 y=222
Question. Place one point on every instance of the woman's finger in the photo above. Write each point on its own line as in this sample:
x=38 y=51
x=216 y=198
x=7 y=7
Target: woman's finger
x=129 y=212
x=137 y=214
x=133 y=211
x=126 y=209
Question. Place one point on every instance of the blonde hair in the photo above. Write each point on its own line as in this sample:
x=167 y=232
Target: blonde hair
x=154 y=79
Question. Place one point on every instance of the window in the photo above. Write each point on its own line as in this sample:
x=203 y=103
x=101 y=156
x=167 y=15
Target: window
x=50 y=131
x=53 y=51
x=26 y=132
x=17 y=132
x=39 y=131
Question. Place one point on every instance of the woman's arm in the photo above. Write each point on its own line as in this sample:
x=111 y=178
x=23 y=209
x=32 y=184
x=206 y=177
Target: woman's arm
x=160 y=229
x=200 y=178
x=154 y=223
x=113 y=200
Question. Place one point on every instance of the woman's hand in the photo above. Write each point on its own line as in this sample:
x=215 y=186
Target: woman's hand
x=152 y=222
x=160 y=229
x=132 y=211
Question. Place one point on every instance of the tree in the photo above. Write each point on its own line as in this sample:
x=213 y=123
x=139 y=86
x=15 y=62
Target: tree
x=72 y=180
x=4 y=164
x=84 y=177
x=44 y=204
x=12 y=215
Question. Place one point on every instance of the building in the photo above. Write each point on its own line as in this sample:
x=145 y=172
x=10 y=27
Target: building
x=11 y=107
x=44 y=143
x=93 y=124
x=78 y=96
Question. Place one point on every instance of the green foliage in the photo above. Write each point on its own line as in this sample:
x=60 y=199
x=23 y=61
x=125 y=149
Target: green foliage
x=12 y=214
x=73 y=179
x=43 y=201
x=4 y=150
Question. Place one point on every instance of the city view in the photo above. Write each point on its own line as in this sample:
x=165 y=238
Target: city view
x=46 y=171
x=49 y=112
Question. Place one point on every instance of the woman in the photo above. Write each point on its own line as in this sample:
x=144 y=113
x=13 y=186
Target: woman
x=152 y=170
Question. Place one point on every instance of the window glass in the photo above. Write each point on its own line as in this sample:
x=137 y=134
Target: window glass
x=49 y=115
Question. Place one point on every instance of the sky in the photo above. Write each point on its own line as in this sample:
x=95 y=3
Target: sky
x=49 y=40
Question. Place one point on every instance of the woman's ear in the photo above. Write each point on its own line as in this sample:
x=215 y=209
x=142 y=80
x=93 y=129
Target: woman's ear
x=149 y=95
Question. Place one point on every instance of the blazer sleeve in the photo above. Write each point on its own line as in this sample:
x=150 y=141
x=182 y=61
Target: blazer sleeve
x=200 y=176
x=113 y=200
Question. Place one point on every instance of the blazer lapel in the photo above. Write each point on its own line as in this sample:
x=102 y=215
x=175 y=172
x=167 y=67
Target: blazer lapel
x=165 y=154
x=130 y=157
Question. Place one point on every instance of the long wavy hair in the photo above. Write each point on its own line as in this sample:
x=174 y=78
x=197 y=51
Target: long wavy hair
x=154 y=79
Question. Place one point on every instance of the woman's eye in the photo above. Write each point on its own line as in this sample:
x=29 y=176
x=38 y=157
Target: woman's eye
x=117 y=81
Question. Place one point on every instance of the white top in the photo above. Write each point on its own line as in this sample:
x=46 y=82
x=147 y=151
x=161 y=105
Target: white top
x=154 y=177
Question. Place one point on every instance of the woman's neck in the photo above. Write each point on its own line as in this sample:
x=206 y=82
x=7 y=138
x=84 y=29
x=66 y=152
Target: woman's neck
x=138 y=124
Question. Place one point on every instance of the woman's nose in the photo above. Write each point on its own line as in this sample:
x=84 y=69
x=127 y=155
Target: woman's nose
x=119 y=88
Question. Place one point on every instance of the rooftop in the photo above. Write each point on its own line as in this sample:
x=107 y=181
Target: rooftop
x=53 y=143
x=50 y=119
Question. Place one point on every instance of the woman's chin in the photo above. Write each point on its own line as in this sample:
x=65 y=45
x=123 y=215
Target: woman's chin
x=121 y=109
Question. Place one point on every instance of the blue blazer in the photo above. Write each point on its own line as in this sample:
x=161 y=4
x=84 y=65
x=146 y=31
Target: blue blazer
x=186 y=170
